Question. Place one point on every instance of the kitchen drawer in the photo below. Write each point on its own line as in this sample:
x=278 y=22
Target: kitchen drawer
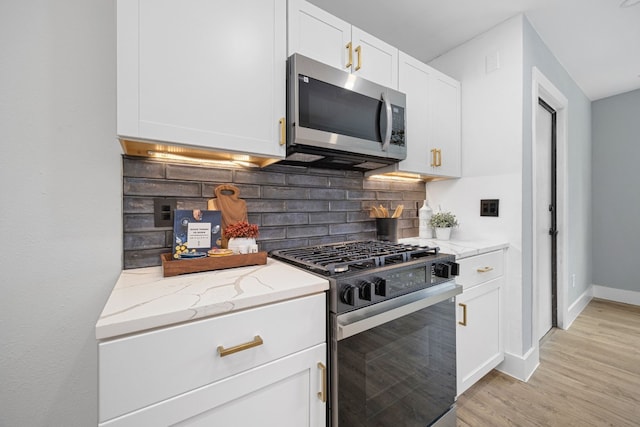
x=480 y=268
x=146 y=368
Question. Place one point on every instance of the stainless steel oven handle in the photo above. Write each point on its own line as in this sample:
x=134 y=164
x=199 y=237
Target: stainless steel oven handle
x=366 y=318
x=387 y=136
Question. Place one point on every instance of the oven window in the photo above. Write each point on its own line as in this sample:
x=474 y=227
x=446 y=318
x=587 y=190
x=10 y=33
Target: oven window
x=330 y=108
x=402 y=373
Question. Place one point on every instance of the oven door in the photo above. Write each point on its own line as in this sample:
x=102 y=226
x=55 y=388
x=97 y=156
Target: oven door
x=394 y=363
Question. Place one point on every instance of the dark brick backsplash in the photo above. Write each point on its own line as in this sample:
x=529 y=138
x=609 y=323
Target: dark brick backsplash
x=294 y=206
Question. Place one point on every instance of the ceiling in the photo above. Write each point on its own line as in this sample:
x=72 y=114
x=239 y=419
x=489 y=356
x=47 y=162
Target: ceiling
x=597 y=41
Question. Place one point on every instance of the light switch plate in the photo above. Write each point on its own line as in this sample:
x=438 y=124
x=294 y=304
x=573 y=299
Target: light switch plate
x=489 y=207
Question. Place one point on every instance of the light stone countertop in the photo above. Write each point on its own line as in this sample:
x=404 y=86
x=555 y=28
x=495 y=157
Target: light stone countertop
x=143 y=299
x=460 y=248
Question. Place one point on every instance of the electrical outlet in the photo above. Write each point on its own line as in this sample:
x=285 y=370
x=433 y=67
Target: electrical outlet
x=573 y=280
x=489 y=207
x=163 y=212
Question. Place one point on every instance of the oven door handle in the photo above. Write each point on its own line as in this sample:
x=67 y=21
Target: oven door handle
x=366 y=318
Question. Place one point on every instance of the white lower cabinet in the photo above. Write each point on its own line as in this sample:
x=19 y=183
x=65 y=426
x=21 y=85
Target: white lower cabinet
x=479 y=333
x=181 y=375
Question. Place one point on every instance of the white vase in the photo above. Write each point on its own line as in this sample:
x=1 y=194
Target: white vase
x=424 y=215
x=443 y=233
x=241 y=245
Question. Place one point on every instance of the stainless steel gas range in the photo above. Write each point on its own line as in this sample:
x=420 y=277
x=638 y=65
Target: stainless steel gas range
x=392 y=353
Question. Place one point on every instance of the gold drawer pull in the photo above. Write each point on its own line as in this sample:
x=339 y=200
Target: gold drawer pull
x=240 y=347
x=485 y=269
x=464 y=314
x=322 y=395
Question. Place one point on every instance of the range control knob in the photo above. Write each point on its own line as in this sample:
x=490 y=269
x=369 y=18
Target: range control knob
x=366 y=290
x=380 y=286
x=442 y=270
x=348 y=294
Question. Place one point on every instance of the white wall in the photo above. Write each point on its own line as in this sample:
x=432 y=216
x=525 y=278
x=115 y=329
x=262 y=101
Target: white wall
x=496 y=138
x=616 y=199
x=578 y=169
x=491 y=153
x=60 y=178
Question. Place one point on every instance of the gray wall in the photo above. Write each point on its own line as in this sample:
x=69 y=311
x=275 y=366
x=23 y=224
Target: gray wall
x=61 y=220
x=537 y=54
x=294 y=206
x=616 y=197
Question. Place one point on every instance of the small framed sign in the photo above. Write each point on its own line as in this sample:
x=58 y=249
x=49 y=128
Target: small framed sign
x=195 y=232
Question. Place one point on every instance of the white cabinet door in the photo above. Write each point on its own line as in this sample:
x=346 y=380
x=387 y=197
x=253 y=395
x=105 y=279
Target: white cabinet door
x=414 y=80
x=479 y=332
x=433 y=120
x=202 y=73
x=445 y=134
x=374 y=59
x=286 y=393
x=319 y=35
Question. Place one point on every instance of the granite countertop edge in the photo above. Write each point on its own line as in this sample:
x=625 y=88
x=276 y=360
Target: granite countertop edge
x=142 y=299
x=460 y=248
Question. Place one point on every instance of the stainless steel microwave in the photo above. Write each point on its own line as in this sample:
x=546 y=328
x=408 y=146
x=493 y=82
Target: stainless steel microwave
x=339 y=120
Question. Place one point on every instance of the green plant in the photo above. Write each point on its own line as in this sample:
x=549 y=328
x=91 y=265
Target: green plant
x=443 y=220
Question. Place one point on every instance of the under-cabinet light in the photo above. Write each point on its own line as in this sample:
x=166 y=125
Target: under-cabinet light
x=180 y=158
x=396 y=178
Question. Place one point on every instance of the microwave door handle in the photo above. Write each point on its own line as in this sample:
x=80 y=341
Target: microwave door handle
x=387 y=132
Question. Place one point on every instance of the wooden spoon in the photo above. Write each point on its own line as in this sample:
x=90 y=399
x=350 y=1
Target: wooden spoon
x=398 y=211
x=385 y=212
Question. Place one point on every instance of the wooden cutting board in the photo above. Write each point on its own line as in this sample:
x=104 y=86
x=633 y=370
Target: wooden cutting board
x=229 y=203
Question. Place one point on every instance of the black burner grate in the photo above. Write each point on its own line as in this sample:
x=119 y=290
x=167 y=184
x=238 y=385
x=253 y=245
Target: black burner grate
x=334 y=258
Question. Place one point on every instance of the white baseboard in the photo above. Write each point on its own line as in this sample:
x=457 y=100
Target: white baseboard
x=576 y=308
x=520 y=367
x=617 y=295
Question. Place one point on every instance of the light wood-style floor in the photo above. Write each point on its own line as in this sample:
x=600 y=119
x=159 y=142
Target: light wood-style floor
x=589 y=375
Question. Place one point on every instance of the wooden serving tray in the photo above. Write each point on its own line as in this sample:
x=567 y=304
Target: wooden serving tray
x=174 y=267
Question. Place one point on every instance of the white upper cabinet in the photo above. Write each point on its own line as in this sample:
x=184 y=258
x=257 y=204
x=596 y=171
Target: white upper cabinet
x=445 y=132
x=202 y=73
x=433 y=121
x=415 y=81
x=374 y=59
x=319 y=35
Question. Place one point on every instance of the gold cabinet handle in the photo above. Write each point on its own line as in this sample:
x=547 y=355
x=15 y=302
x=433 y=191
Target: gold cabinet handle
x=283 y=131
x=437 y=157
x=349 y=47
x=241 y=347
x=433 y=157
x=322 y=395
x=484 y=269
x=464 y=314
x=359 y=52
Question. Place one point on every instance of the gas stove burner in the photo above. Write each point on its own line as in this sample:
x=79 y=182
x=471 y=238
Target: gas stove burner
x=335 y=258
